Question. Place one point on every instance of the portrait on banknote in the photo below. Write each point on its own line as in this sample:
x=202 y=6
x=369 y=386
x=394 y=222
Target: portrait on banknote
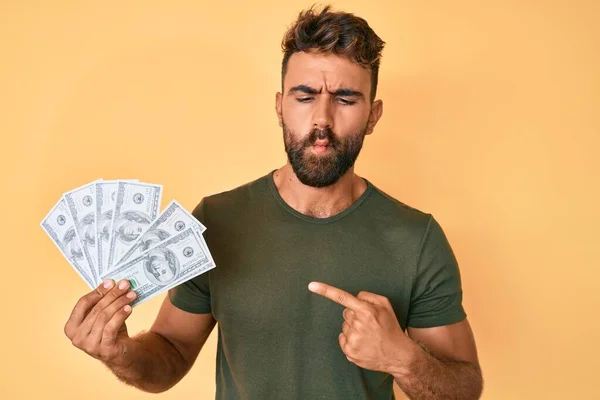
x=87 y=231
x=161 y=266
x=72 y=245
x=130 y=225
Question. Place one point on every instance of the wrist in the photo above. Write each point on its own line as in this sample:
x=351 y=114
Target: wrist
x=123 y=356
x=404 y=357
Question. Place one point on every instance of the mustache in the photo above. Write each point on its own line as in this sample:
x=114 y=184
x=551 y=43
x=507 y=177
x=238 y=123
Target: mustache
x=322 y=134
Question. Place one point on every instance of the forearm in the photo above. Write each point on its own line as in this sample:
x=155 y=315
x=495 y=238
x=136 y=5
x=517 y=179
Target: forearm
x=430 y=377
x=150 y=363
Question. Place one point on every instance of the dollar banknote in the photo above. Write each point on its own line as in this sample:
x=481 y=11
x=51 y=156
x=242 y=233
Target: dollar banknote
x=174 y=219
x=171 y=262
x=136 y=207
x=106 y=196
x=81 y=203
x=105 y=221
x=59 y=226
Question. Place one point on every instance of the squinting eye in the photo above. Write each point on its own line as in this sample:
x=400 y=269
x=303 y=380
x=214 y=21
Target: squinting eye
x=304 y=99
x=347 y=102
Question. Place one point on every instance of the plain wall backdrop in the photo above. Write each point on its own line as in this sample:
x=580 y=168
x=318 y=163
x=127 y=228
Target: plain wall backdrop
x=490 y=122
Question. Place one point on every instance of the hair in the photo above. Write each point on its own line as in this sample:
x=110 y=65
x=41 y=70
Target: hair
x=338 y=32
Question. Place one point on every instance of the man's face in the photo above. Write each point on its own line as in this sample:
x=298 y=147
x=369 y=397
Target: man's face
x=325 y=112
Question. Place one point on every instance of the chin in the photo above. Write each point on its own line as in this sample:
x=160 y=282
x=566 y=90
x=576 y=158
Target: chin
x=318 y=181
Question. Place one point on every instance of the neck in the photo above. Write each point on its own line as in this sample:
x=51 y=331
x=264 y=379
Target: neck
x=318 y=202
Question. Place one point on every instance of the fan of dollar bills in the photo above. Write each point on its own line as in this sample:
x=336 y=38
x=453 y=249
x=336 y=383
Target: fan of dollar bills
x=114 y=230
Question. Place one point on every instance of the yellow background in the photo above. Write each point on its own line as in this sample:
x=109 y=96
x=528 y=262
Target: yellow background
x=490 y=122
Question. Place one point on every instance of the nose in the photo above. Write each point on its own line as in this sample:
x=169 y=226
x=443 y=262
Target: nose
x=323 y=113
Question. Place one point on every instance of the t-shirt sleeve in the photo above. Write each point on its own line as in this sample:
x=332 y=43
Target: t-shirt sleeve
x=194 y=295
x=437 y=295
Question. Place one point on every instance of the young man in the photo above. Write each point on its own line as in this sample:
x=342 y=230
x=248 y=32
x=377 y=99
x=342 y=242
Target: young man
x=325 y=286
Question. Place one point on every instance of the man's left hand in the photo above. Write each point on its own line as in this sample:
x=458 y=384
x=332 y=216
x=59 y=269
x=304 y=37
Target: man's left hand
x=371 y=336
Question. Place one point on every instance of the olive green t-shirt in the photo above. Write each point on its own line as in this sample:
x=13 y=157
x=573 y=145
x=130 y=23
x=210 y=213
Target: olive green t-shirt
x=278 y=340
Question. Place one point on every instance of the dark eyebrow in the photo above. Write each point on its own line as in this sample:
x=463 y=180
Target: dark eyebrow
x=304 y=89
x=340 y=92
x=347 y=92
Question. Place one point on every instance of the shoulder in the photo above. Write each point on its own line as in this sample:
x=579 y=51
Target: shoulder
x=231 y=201
x=389 y=208
x=417 y=229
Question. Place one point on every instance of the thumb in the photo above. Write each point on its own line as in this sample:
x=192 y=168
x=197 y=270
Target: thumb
x=371 y=298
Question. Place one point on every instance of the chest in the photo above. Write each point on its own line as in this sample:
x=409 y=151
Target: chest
x=261 y=283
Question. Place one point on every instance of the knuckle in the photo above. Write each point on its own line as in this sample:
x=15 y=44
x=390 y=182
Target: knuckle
x=103 y=317
x=83 y=301
x=349 y=315
x=112 y=327
x=341 y=298
x=95 y=311
x=346 y=328
x=68 y=330
x=346 y=347
x=358 y=328
x=93 y=330
x=109 y=330
x=78 y=342
x=115 y=293
x=92 y=297
x=116 y=321
x=116 y=311
x=351 y=343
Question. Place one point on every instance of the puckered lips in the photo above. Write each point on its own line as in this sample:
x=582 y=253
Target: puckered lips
x=320 y=146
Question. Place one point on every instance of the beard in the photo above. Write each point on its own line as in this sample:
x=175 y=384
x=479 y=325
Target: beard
x=322 y=170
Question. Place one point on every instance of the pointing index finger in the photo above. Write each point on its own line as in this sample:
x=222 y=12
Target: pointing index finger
x=337 y=295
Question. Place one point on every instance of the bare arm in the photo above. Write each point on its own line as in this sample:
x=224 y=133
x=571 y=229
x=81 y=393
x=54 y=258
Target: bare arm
x=156 y=360
x=428 y=364
x=152 y=361
x=443 y=364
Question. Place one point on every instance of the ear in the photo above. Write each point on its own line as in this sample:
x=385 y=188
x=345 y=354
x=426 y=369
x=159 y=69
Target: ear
x=376 y=112
x=278 y=99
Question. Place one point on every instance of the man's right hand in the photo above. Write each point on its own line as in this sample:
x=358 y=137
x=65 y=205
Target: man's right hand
x=97 y=322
